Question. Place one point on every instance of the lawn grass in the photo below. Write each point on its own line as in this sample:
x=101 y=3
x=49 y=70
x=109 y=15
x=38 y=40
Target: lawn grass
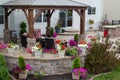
x=10 y=78
x=113 y=75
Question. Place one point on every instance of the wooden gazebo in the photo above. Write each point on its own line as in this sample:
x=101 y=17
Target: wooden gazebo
x=28 y=7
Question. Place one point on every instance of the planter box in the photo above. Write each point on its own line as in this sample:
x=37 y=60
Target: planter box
x=23 y=74
x=74 y=76
x=38 y=54
x=61 y=53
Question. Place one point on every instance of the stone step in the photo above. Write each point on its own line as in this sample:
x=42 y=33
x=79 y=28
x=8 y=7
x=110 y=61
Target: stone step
x=68 y=33
x=71 y=31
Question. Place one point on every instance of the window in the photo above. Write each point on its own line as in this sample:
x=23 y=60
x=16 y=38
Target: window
x=91 y=10
x=42 y=17
x=1 y=15
x=66 y=18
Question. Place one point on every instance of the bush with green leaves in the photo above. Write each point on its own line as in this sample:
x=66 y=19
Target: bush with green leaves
x=23 y=27
x=76 y=63
x=99 y=60
x=51 y=31
x=4 y=74
x=2 y=60
x=76 y=38
x=22 y=63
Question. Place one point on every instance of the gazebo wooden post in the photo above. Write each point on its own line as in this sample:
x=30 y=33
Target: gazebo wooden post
x=30 y=23
x=6 y=30
x=48 y=22
x=82 y=21
x=31 y=39
x=82 y=25
x=81 y=13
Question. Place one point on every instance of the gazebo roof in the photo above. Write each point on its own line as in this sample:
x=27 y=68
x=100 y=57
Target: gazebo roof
x=45 y=3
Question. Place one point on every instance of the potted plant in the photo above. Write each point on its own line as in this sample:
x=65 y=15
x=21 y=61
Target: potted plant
x=23 y=27
x=91 y=22
x=22 y=69
x=23 y=34
x=75 y=68
x=23 y=74
x=74 y=52
x=57 y=27
x=63 y=30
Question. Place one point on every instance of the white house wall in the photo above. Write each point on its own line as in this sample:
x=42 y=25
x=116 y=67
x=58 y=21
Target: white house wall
x=112 y=9
x=99 y=12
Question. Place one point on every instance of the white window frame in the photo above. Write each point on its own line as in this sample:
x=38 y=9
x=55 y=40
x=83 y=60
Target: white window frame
x=42 y=17
x=66 y=18
x=91 y=10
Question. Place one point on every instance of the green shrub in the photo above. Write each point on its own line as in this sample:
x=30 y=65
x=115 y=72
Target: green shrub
x=76 y=63
x=2 y=60
x=71 y=51
x=76 y=38
x=51 y=32
x=4 y=74
x=74 y=52
x=99 y=60
x=23 y=27
x=22 y=63
x=63 y=30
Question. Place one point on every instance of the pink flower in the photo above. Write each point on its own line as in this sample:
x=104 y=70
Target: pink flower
x=80 y=72
x=3 y=46
x=29 y=50
x=28 y=67
x=55 y=35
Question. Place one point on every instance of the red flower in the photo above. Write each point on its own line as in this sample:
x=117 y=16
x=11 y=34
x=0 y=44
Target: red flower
x=63 y=47
x=57 y=41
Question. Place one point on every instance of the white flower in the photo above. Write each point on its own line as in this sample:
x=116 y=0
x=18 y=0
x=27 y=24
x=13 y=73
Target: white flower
x=82 y=45
x=58 y=47
x=35 y=48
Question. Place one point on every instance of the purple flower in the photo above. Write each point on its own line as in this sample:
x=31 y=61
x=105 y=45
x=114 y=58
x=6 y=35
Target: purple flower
x=28 y=67
x=79 y=50
x=45 y=50
x=55 y=35
x=72 y=42
x=89 y=45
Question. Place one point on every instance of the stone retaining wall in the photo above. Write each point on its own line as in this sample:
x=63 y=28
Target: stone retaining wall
x=47 y=66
